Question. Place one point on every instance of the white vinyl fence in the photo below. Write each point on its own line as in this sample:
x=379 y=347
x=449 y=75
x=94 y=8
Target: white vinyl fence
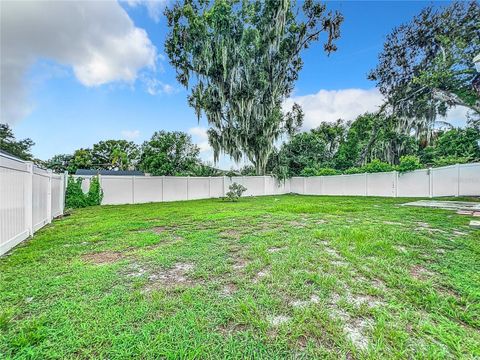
x=455 y=180
x=30 y=197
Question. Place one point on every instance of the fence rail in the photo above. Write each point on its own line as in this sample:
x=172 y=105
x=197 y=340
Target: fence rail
x=30 y=198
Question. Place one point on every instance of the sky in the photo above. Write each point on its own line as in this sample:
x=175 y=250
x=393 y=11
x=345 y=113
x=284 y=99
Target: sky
x=74 y=73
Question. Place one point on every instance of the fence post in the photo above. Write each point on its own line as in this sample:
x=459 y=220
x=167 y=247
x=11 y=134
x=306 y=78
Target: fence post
x=28 y=199
x=49 y=197
x=304 y=185
x=188 y=184
x=264 y=185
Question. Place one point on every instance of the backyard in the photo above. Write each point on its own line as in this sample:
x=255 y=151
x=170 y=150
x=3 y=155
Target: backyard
x=277 y=276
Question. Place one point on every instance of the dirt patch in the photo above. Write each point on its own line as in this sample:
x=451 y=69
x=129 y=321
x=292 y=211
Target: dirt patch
x=400 y=248
x=230 y=233
x=297 y=223
x=333 y=253
x=314 y=299
x=339 y=263
x=228 y=290
x=261 y=274
x=239 y=264
x=276 y=249
x=158 y=229
x=423 y=226
x=368 y=300
x=231 y=328
x=392 y=223
x=105 y=257
x=168 y=278
x=278 y=320
x=420 y=273
x=355 y=329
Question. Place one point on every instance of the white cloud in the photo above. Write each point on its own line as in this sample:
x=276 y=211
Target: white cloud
x=154 y=7
x=96 y=38
x=154 y=86
x=130 y=134
x=200 y=137
x=331 y=105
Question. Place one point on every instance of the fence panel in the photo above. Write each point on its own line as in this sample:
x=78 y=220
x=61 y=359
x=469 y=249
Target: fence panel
x=198 y=188
x=332 y=185
x=355 y=184
x=314 y=185
x=381 y=184
x=175 y=188
x=29 y=198
x=444 y=181
x=469 y=183
x=297 y=185
x=414 y=184
x=117 y=189
x=147 y=189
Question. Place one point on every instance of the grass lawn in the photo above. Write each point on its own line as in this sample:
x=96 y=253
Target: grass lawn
x=272 y=277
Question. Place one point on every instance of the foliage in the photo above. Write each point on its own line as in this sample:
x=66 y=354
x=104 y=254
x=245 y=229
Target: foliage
x=82 y=159
x=426 y=65
x=316 y=171
x=235 y=191
x=60 y=163
x=95 y=192
x=376 y=166
x=18 y=148
x=74 y=196
x=450 y=160
x=115 y=155
x=169 y=153
x=409 y=163
x=241 y=60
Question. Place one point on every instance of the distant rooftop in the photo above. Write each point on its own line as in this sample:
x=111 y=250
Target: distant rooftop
x=88 y=172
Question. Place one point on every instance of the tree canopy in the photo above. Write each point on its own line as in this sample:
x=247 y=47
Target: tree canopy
x=18 y=148
x=426 y=65
x=241 y=60
x=170 y=153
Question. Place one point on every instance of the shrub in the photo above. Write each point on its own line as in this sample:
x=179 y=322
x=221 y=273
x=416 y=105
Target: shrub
x=235 y=191
x=316 y=171
x=74 y=196
x=377 y=166
x=450 y=160
x=409 y=163
x=95 y=192
x=354 y=170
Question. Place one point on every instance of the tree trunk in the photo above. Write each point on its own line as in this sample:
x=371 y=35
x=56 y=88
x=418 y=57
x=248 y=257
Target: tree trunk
x=454 y=99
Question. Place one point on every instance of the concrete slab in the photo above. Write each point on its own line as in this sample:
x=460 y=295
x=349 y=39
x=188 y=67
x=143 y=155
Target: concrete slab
x=447 y=205
x=475 y=224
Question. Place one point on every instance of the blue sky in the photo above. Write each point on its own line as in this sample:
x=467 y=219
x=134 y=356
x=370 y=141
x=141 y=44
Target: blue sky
x=69 y=105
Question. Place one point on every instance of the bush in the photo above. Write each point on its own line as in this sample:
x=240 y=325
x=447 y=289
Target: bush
x=377 y=166
x=235 y=191
x=316 y=171
x=450 y=160
x=95 y=192
x=74 y=196
x=409 y=163
x=354 y=170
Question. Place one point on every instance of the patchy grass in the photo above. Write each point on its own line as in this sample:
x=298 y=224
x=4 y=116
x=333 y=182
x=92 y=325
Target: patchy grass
x=285 y=276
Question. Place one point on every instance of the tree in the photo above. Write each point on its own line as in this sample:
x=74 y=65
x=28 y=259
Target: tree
x=82 y=159
x=169 y=153
x=115 y=154
x=241 y=60
x=18 y=148
x=426 y=66
x=60 y=163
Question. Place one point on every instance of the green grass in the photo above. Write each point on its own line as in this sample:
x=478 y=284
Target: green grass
x=272 y=277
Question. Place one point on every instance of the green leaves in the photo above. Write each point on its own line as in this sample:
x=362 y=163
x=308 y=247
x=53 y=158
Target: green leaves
x=245 y=56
